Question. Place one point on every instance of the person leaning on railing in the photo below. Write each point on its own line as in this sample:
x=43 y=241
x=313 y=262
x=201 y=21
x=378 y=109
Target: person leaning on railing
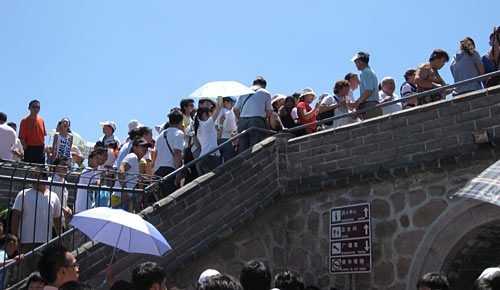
x=427 y=77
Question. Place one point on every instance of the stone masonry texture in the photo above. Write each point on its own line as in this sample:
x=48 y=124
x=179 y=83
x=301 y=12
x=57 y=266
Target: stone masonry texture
x=272 y=202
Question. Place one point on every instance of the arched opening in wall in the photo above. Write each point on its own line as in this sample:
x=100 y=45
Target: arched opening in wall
x=477 y=250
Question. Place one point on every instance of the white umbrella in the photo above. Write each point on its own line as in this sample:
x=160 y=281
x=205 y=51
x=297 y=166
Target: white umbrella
x=222 y=88
x=121 y=229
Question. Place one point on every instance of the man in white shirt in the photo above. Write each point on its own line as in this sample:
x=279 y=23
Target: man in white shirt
x=129 y=173
x=8 y=137
x=35 y=212
x=226 y=126
x=387 y=94
x=90 y=176
x=169 y=145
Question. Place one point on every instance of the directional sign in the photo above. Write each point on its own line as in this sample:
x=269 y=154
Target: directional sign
x=350 y=247
x=350 y=239
x=350 y=230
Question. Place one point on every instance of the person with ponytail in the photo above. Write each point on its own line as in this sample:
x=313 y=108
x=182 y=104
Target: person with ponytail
x=204 y=130
x=466 y=64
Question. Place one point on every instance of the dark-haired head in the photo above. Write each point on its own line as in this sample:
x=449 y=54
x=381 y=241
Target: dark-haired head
x=255 y=275
x=439 y=53
x=260 y=81
x=175 y=117
x=147 y=274
x=288 y=280
x=433 y=281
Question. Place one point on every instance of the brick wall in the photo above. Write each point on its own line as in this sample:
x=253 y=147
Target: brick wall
x=269 y=202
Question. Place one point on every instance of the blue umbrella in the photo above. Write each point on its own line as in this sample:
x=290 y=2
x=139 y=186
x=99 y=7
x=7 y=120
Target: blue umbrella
x=121 y=229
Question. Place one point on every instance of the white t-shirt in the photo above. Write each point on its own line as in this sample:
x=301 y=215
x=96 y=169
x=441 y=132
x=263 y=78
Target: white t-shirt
x=84 y=197
x=61 y=191
x=109 y=162
x=207 y=136
x=46 y=206
x=130 y=180
x=164 y=157
x=330 y=100
x=391 y=108
x=294 y=113
x=19 y=147
x=229 y=125
x=8 y=137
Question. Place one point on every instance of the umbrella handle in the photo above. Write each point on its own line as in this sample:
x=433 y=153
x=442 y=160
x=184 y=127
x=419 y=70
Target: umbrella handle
x=112 y=257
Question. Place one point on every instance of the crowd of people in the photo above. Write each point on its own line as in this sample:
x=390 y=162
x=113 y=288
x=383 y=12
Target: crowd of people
x=57 y=268
x=193 y=132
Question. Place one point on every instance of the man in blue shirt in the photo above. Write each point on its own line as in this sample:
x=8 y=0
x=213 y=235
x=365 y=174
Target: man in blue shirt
x=368 y=86
x=253 y=111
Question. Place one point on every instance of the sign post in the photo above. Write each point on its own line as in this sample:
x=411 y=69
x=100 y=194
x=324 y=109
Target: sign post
x=350 y=239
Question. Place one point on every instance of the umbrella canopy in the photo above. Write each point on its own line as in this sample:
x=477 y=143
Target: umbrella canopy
x=222 y=88
x=77 y=139
x=485 y=186
x=121 y=229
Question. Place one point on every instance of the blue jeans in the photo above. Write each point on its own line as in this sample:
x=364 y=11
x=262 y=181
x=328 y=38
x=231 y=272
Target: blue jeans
x=227 y=151
x=252 y=138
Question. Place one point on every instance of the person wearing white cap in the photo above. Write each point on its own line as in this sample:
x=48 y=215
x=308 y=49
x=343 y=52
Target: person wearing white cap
x=275 y=121
x=306 y=113
x=108 y=129
x=205 y=275
x=368 y=87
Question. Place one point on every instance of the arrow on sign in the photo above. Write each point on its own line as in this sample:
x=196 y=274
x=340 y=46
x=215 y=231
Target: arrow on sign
x=366 y=246
x=366 y=211
x=366 y=227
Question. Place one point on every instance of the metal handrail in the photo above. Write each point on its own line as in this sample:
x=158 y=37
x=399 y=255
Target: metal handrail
x=301 y=127
x=429 y=92
x=193 y=162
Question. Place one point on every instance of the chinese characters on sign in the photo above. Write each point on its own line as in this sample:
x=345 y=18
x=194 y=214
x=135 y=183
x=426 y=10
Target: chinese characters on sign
x=350 y=239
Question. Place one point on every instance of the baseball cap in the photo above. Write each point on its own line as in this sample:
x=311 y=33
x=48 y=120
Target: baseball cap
x=108 y=123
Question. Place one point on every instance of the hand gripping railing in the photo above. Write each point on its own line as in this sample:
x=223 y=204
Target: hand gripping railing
x=193 y=162
x=418 y=95
x=301 y=127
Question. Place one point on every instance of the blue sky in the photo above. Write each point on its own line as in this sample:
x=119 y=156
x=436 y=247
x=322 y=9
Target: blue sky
x=118 y=60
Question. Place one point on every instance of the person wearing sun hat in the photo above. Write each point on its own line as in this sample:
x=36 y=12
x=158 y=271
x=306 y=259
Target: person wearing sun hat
x=108 y=129
x=275 y=121
x=368 y=86
x=306 y=113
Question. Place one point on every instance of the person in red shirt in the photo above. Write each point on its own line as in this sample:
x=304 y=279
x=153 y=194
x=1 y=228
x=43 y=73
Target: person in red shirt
x=306 y=113
x=32 y=133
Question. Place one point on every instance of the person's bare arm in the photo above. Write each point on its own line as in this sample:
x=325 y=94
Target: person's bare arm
x=14 y=223
x=57 y=225
x=308 y=115
x=178 y=164
x=218 y=106
x=237 y=113
x=54 y=147
x=123 y=168
x=23 y=142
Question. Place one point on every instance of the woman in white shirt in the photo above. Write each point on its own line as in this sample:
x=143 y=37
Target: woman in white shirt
x=204 y=128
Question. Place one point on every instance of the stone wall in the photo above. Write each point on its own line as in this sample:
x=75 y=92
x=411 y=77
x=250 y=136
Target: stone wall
x=272 y=202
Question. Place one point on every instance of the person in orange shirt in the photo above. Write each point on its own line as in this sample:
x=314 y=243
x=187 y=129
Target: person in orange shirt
x=32 y=133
